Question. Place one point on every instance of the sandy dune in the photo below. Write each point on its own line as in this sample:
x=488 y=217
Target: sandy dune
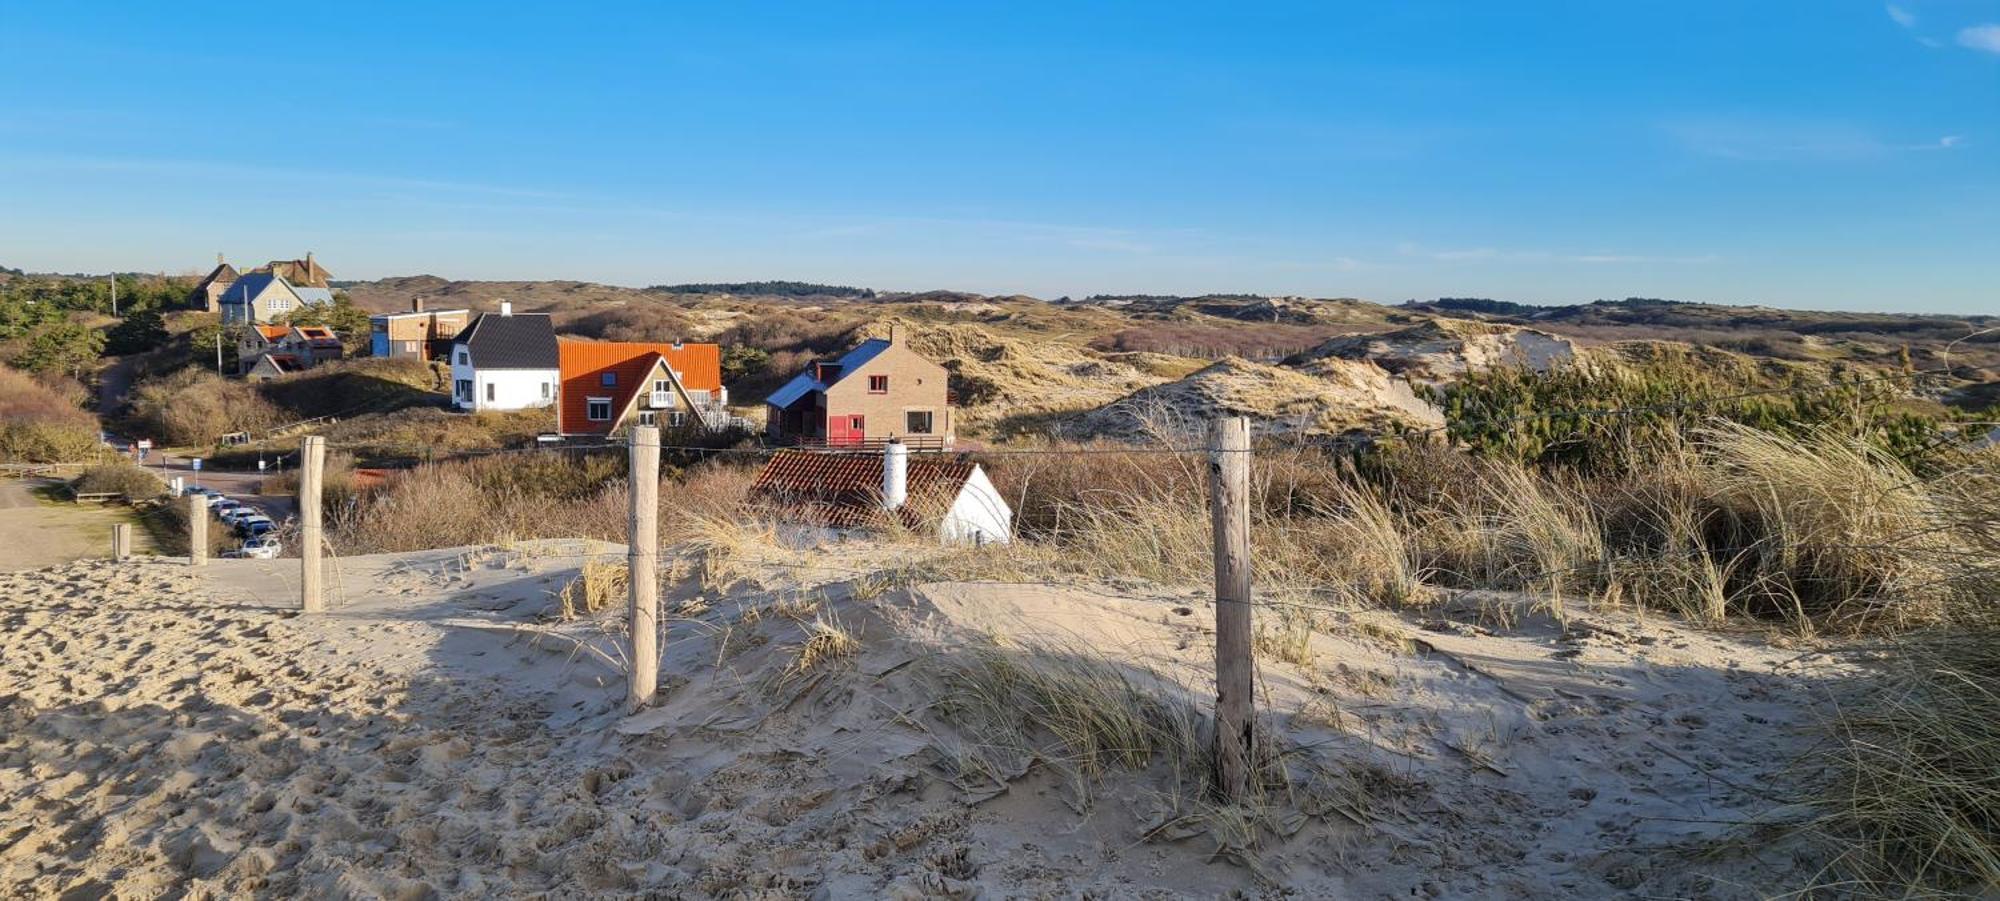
x=172 y=731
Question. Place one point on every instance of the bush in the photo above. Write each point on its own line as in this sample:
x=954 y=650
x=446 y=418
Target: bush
x=134 y=482
x=44 y=422
x=193 y=408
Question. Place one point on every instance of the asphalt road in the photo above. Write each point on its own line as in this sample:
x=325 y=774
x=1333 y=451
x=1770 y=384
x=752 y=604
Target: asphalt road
x=242 y=486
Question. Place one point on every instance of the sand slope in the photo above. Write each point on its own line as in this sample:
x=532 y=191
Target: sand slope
x=165 y=730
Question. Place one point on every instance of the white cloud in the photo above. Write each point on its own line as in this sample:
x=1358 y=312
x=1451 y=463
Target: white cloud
x=1985 y=38
x=1902 y=16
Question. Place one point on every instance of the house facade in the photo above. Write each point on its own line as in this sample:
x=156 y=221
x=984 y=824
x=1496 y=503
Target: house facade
x=608 y=386
x=505 y=362
x=301 y=346
x=260 y=297
x=420 y=334
x=207 y=293
x=270 y=366
x=878 y=391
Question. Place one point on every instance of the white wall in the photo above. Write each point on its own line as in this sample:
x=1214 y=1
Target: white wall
x=979 y=515
x=513 y=389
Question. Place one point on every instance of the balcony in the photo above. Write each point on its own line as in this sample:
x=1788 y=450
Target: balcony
x=661 y=400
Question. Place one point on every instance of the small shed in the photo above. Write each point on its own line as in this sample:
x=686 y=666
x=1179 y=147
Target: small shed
x=933 y=493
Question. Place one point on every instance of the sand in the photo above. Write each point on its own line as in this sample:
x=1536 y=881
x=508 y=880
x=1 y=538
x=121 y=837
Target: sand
x=172 y=731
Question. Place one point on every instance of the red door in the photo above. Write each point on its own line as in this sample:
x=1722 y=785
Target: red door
x=842 y=431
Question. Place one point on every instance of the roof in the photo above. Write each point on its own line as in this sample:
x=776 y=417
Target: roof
x=274 y=332
x=845 y=490
x=521 y=341
x=312 y=295
x=805 y=383
x=280 y=362
x=249 y=287
x=318 y=334
x=584 y=363
x=223 y=272
x=307 y=272
x=408 y=313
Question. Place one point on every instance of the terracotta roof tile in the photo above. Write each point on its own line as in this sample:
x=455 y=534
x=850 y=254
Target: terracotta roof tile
x=845 y=490
x=584 y=363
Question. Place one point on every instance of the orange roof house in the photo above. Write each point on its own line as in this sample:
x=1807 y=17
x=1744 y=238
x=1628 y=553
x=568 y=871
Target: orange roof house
x=607 y=385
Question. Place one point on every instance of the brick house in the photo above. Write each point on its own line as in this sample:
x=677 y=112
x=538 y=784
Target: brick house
x=877 y=391
x=421 y=334
x=608 y=385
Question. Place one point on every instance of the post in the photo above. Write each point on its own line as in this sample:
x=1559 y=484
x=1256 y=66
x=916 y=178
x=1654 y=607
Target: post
x=312 y=460
x=121 y=540
x=643 y=562
x=197 y=529
x=1229 y=506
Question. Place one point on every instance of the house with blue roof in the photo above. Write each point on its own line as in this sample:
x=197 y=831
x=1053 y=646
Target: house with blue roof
x=878 y=391
x=262 y=297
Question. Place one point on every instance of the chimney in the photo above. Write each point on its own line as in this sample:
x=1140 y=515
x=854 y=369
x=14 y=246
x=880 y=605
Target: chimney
x=895 y=474
x=218 y=258
x=892 y=333
x=416 y=304
x=506 y=308
x=309 y=265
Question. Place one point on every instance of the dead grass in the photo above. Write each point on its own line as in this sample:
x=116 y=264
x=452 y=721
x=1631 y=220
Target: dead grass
x=599 y=585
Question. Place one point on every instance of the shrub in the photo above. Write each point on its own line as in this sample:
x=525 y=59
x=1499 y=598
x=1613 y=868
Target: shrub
x=134 y=482
x=41 y=422
x=193 y=408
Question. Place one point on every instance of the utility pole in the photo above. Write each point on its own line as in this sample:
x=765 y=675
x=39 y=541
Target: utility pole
x=114 y=293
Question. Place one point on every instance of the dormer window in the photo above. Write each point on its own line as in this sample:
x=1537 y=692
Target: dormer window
x=608 y=380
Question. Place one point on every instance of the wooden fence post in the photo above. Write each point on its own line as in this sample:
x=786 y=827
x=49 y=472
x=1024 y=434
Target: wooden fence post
x=312 y=463
x=197 y=529
x=121 y=540
x=643 y=562
x=1229 y=507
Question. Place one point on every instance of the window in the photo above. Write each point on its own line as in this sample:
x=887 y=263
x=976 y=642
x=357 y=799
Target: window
x=464 y=357
x=917 y=422
x=608 y=380
x=677 y=419
x=646 y=418
x=857 y=423
x=662 y=385
x=409 y=347
x=545 y=390
x=489 y=392
x=878 y=384
x=465 y=389
x=597 y=409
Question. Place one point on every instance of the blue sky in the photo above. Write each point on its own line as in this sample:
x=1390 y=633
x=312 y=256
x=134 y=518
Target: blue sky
x=1810 y=154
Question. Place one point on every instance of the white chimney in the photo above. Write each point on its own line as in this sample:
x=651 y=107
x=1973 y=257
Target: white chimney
x=506 y=308
x=895 y=474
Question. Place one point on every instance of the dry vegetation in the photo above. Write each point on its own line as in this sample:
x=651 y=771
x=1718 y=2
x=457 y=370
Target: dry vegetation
x=43 y=420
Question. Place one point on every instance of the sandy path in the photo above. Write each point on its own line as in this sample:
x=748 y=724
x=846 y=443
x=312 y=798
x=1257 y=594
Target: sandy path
x=167 y=730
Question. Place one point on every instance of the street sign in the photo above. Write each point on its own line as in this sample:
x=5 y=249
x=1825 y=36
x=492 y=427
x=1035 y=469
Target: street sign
x=197 y=464
x=145 y=444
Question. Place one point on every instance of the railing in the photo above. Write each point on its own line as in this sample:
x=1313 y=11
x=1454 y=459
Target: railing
x=818 y=442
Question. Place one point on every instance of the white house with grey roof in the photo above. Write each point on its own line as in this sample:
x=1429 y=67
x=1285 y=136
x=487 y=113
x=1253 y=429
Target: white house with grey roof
x=505 y=362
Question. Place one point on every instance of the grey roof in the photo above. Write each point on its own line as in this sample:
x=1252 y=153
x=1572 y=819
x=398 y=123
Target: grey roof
x=804 y=383
x=313 y=296
x=520 y=341
x=250 y=286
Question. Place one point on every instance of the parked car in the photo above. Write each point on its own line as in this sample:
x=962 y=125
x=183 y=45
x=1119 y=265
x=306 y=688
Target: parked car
x=254 y=525
x=237 y=514
x=220 y=506
x=263 y=547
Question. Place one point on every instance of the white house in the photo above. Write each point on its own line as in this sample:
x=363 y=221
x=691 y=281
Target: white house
x=839 y=492
x=505 y=362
